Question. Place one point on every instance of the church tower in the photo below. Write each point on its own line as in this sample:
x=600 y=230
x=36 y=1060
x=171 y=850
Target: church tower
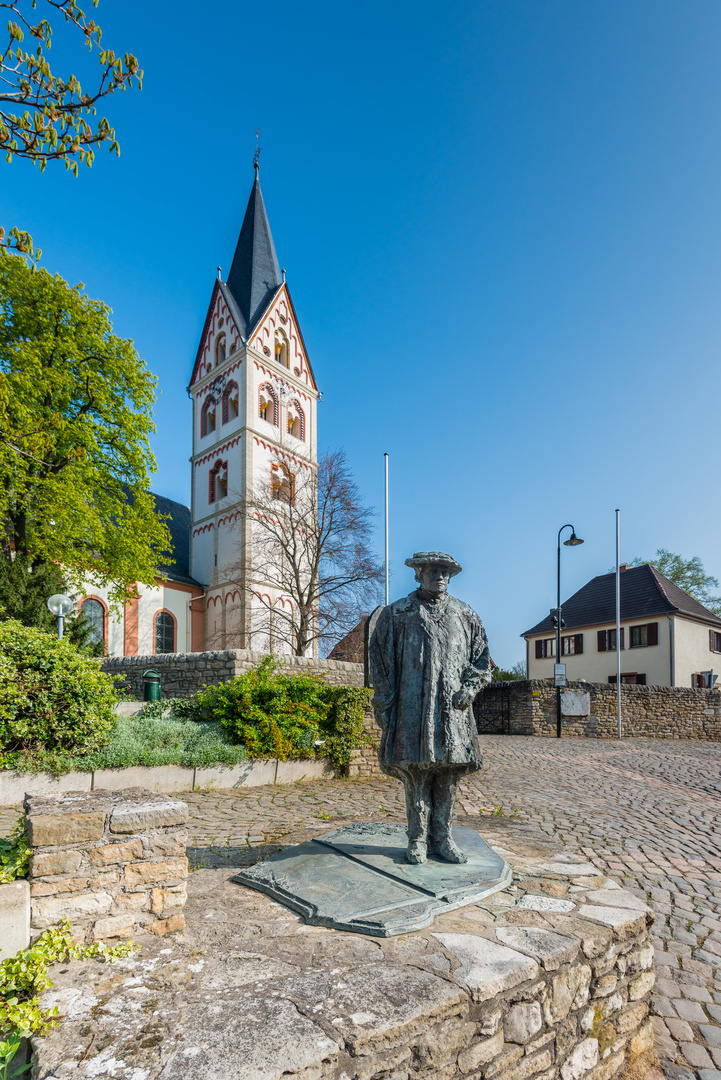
x=254 y=427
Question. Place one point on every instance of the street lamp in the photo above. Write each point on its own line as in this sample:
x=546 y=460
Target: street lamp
x=60 y=605
x=573 y=541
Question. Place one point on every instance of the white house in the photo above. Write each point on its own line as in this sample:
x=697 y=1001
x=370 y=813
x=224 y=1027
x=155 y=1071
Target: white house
x=667 y=637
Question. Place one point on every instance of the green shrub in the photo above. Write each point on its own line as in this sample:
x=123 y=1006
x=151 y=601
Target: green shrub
x=288 y=716
x=14 y=854
x=23 y=979
x=142 y=740
x=53 y=699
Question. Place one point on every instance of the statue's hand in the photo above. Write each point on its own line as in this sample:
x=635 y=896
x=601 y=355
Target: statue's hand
x=462 y=698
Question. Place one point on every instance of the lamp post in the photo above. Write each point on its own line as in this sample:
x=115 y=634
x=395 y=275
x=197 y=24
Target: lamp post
x=573 y=541
x=60 y=605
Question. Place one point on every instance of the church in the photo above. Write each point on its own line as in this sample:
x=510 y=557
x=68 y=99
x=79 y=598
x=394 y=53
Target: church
x=254 y=429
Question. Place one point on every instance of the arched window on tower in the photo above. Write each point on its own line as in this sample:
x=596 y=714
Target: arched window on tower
x=92 y=614
x=220 y=350
x=218 y=481
x=282 y=354
x=268 y=404
x=164 y=632
x=282 y=483
x=295 y=420
x=230 y=402
x=207 y=416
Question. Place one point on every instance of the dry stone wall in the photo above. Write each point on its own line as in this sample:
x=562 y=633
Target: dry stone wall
x=655 y=712
x=110 y=862
x=182 y=674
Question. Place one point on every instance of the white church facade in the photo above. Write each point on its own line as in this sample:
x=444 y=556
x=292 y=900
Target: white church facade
x=254 y=430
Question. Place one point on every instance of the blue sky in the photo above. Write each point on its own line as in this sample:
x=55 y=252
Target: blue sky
x=500 y=223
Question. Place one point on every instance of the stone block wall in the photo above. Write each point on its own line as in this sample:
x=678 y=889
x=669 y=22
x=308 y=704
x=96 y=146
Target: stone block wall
x=111 y=862
x=364 y=763
x=658 y=712
x=182 y=674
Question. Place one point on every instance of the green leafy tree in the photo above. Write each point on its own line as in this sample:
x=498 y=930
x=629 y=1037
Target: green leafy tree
x=688 y=574
x=75 y=415
x=48 y=117
x=518 y=671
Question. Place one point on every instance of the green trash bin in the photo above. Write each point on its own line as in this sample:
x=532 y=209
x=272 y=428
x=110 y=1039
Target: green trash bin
x=151 y=685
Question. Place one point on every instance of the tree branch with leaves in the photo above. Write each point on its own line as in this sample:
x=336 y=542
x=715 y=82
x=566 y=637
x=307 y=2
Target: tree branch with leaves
x=49 y=117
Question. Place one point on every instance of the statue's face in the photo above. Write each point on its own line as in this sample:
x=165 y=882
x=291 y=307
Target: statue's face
x=434 y=578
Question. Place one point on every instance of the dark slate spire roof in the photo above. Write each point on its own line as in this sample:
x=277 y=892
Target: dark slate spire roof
x=255 y=274
x=644 y=592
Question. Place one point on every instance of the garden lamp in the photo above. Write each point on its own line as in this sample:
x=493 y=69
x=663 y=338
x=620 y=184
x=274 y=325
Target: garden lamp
x=60 y=605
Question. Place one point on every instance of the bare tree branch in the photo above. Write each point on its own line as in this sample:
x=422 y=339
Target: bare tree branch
x=311 y=538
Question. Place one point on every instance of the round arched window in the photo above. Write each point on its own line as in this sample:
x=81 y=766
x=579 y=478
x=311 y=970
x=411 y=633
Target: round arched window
x=93 y=615
x=164 y=632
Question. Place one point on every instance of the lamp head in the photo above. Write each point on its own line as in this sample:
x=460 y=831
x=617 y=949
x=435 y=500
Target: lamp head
x=573 y=540
x=60 y=605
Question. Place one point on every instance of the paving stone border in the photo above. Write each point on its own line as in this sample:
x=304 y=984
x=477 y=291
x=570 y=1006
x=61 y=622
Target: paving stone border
x=110 y=862
x=548 y=979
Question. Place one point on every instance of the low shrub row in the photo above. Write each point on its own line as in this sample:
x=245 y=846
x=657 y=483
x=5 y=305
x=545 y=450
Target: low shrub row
x=57 y=713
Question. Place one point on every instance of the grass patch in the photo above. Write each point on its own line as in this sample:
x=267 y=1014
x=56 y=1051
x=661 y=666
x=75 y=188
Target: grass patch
x=143 y=740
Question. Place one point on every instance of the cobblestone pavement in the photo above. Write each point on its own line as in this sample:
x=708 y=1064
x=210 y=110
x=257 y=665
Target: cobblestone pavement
x=646 y=811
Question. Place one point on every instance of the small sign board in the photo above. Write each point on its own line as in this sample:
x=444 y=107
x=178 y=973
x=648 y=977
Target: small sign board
x=559 y=674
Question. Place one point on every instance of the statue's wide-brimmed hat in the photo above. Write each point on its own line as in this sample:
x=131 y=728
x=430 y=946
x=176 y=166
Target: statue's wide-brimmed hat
x=423 y=558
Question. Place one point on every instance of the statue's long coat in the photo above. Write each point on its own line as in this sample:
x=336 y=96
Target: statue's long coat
x=421 y=653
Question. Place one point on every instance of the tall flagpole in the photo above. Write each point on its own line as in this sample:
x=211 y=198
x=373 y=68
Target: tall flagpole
x=386 y=528
x=618 y=620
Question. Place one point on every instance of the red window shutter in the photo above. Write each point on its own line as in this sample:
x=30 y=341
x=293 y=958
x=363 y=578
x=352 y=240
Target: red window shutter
x=539 y=650
x=652 y=633
x=601 y=636
x=578 y=646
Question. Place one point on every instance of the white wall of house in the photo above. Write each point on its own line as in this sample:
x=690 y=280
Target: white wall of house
x=595 y=666
x=692 y=651
x=690 y=647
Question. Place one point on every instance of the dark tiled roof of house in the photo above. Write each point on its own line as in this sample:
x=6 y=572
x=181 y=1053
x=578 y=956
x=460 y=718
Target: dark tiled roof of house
x=178 y=523
x=644 y=592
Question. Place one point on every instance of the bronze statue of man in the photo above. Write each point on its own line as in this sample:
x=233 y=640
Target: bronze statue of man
x=428 y=656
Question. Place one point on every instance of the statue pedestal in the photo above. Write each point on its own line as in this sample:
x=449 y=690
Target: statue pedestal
x=356 y=879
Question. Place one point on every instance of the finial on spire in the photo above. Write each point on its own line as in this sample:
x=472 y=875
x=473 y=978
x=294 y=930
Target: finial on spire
x=256 y=155
x=218 y=273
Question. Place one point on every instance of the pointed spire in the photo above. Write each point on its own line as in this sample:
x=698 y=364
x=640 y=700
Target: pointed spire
x=255 y=273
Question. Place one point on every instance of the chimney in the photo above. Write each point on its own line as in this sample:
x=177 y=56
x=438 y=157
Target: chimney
x=624 y=566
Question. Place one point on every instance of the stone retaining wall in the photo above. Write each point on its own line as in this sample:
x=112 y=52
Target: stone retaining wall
x=364 y=763
x=547 y=980
x=658 y=712
x=182 y=674
x=111 y=863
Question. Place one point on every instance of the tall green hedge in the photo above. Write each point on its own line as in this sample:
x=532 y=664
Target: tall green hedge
x=53 y=699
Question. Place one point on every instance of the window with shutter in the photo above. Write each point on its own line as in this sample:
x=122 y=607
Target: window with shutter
x=652 y=633
x=640 y=679
x=602 y=644
x=711 y=641
x=539 y=650
x=578 y=639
